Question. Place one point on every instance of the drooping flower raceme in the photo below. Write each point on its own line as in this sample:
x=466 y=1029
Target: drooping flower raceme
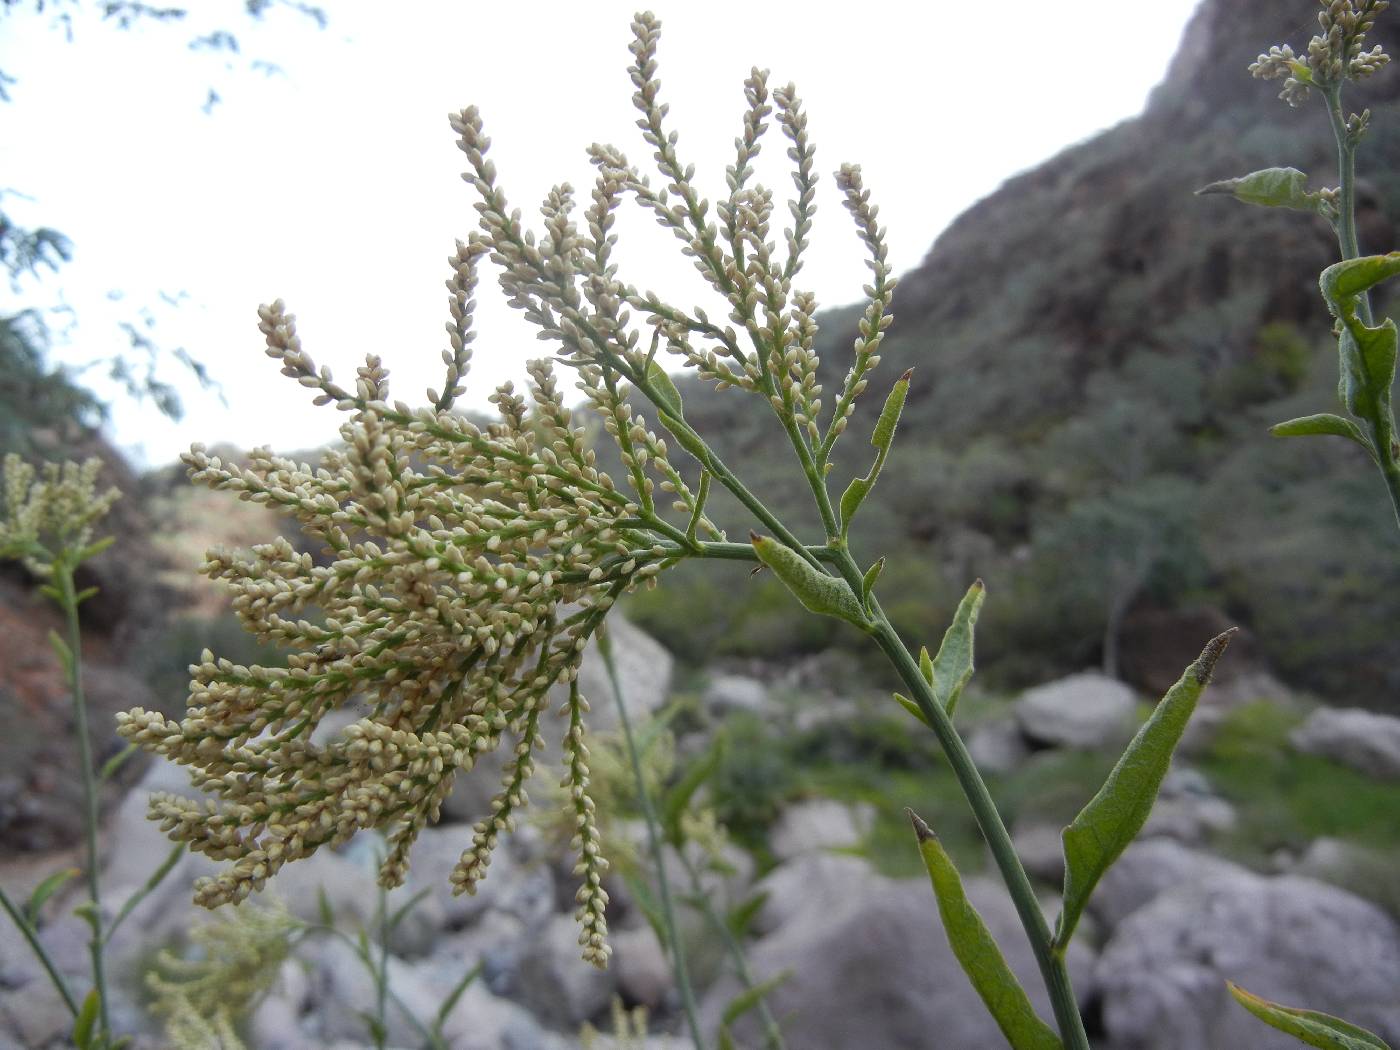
x=463 y=567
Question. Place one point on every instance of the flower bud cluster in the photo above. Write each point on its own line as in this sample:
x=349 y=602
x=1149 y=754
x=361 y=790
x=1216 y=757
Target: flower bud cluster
x=50 y=513
x=461 y=570
x=1335 y=54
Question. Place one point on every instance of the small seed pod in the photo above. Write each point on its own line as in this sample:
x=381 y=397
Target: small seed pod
x=817 y=591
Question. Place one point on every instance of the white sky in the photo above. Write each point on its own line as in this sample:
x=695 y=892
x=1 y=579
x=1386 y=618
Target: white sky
x=336 y=185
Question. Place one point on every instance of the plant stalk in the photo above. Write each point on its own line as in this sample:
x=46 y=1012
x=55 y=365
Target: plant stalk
x=658 y=859
x=69 y=600
x=1048 y=956
x=771 y=1032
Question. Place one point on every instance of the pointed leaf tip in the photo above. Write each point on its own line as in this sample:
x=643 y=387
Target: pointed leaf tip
x=907 y=376
x=921 y=828
x=1205 y=663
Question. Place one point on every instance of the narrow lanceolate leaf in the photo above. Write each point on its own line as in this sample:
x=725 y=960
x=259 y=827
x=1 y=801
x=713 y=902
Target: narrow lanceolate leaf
x=912 y=708
x=868 y=581
x=977 y=951
x=1322 y=423
x=668 y=397
x=85 y=1022
x=677 y=800
x=1308 y=1026
x=952 y=667
x=60 y=648
x=1114 y=816
x=749 y=998
x=44 y=891
x=1270 y=188
x=881 y=439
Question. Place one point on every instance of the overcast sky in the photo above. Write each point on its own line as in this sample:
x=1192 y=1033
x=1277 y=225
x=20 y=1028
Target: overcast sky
x=334 y=184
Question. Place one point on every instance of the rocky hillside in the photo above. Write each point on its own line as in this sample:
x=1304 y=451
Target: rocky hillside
x=1099 y=355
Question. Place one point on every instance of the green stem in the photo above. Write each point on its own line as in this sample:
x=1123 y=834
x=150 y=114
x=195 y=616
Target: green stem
x=771 y=1032
x=69 y=600
x=658 y=859
x=1051 y=961
x=35 y=945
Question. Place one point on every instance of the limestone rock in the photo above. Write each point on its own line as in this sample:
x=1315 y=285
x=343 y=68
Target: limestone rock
x=555 y=983
x=875 y=970
x=1364 y=740
x=1087 y=710
x=1147 y=868
x=1162 y=975
x=727 y=693
x=998 y=748
x=820 y=824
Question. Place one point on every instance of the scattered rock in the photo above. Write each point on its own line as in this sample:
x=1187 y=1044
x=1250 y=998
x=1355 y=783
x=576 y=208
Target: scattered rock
x=727 y=693
x=1364 y=740
x=644 y=974
x=1225 y=696
x=555 y=984
x=1299 y=942
x=1041 y=851
x=1087 y=710
x=643 y=671
x=998 y=747
x=874 y=970
x=820 y=824
x=1147 y=868
x=815 y=882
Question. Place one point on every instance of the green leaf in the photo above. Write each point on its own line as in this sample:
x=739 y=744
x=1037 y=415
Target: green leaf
x=641 y=894
x=1308 y=1026
x=406 y=907
x=977 y=951
x=88 y=914
x=1322 y=423
x=45 y=890
x=925 y=664
x=95 y=548
x=881 y=439
x=912 y=708
x=1343 y=282
x=1270 y=188
x=749 y=998
x=952 y=667
x=324 y=909
x=664 y=389
x=84 y=1023
x=741 y=917
x=84 y=595
x=171 y=859
x=445 y=1010
x=110 y=767
x=726 y=1041
x=818 y=591
x=60 y=647
x=677 y=800
x=1114 y=816
x=867 y=583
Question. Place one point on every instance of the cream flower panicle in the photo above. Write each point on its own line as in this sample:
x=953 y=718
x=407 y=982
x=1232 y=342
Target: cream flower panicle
x=452 y=572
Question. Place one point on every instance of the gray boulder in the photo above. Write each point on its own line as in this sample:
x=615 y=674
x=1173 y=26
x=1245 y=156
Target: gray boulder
x=643 y=671
x=1364 y=740
x=1147 y=868
x=727 y=693
x=816 y=882
x=820 y=824
x=555 y=983
x=1162 y=975
x=873 y=969
x=1087 y=711
x=998 y=747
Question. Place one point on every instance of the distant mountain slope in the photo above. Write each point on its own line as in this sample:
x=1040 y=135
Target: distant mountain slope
x=1099 y=354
